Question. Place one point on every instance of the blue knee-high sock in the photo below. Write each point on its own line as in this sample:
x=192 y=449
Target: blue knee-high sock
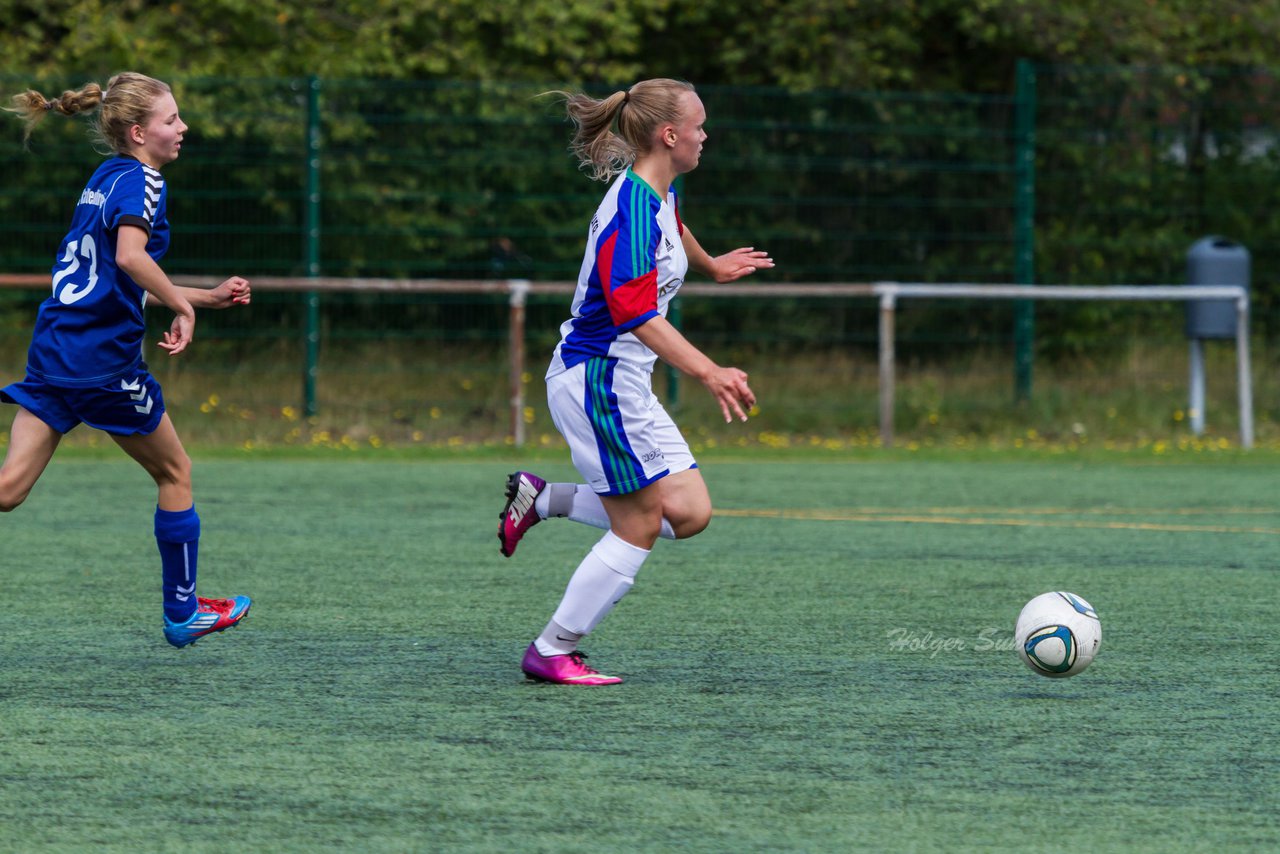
x=178 y=536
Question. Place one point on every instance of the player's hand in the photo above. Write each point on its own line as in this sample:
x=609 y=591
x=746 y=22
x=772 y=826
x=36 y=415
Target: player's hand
x=234 y=291
x=740 y=262
x=729 y=387
x=180 y=334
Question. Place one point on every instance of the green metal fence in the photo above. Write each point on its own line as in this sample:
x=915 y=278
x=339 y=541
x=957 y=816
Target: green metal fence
x=1077 y=175
x=473 y=180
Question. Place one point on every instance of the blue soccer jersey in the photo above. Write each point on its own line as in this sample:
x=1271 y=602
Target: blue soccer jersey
x=89 y=331
x=633 y=266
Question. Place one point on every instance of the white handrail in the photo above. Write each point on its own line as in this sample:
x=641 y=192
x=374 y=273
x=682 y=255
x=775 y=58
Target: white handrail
x=890 y=292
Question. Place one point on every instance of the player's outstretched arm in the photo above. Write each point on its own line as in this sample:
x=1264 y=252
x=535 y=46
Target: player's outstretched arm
x=233 y=291
x=729 y=267
x=727 y=385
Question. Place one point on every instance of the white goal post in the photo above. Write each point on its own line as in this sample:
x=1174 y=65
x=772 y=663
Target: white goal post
x=888 y=294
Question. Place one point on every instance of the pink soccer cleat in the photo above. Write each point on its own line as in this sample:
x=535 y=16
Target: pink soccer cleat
x=519 y=515
x=562 y=669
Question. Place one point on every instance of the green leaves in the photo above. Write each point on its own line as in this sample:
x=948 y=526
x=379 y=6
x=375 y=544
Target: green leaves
x=968 y=45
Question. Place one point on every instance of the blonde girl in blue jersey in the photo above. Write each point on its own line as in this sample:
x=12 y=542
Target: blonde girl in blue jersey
x=641 y=479
x=85 y=360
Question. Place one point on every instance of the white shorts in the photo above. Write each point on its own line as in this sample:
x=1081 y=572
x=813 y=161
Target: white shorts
x=619 y=434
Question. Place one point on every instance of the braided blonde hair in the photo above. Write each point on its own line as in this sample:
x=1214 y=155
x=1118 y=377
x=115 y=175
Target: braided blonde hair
x=128 y=100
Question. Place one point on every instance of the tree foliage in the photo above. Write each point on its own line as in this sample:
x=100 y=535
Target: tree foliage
x=846 y=162
x=954 y=45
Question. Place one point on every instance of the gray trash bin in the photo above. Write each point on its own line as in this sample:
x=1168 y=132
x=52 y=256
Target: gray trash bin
x=1215 y=261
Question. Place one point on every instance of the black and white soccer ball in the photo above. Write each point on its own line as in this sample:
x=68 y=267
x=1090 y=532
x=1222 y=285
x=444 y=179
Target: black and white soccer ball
x=1058 y=634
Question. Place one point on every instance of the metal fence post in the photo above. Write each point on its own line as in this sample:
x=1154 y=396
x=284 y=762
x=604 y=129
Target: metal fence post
x=1024 y=205
x=1195 y=402
x=887 y=305
x=1244 y=376
x=311 y=238
x=518 y=290
x=673 y=376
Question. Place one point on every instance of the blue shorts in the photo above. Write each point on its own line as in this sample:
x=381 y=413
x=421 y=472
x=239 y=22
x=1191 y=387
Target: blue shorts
x=123 y=407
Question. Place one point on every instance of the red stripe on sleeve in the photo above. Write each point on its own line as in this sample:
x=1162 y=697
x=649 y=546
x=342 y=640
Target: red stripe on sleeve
x=633 y=299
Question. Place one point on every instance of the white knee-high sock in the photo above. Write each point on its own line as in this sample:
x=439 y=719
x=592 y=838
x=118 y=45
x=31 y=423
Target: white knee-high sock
x=579 y=503
x=600 y=581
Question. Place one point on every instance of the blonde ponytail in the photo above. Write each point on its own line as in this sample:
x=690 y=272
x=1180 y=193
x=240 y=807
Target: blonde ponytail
x=637 y=112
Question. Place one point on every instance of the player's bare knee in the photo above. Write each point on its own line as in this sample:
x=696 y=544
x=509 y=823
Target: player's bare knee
x=10 y=499
x=692 y=524
x=174 y=472
x=182 y=472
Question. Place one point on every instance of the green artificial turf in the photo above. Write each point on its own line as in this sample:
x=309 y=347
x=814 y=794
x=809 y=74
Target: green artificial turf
x=827 y=668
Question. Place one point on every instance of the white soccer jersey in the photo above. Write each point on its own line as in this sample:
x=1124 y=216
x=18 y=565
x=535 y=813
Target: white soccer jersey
x=633 y=266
